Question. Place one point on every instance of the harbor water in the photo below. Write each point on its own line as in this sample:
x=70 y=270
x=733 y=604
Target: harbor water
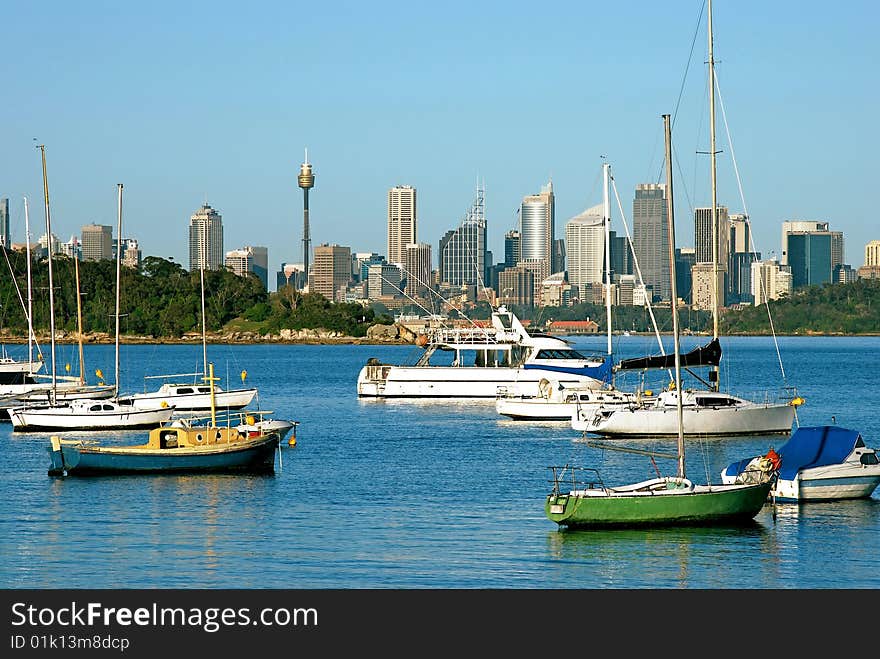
x=399 y=495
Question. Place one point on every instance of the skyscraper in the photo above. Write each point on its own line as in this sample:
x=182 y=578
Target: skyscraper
x=651 y=237
x=809 y=258
x=511 y=248
x=97 y=242
x=402 y=220
x=585 y=246
x=418 y=269
x=331 y=271
x=797 y=226
x=462 y=255
x=5 y=238
x=306 y=181
x=703 y=235
x=536 y=219
x=206 y=239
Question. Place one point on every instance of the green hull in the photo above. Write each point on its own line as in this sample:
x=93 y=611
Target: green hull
x=717 y=504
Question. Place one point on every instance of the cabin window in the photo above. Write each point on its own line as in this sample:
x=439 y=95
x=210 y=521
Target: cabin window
x=95 y=408
x=717 y=401
x=185 y=390
x=547 y=353
x=868 y=458
x=204 y=390
x=169 y=440
x=107 y=408
x=199 y=437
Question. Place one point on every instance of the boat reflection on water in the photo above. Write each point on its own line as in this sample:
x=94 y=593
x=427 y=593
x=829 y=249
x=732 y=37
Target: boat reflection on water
x=658 y=557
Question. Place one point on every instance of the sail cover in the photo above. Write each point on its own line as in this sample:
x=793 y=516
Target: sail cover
x=707 y=355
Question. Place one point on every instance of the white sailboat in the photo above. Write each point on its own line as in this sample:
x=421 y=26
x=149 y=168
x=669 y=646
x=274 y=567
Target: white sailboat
x=90 y=414
x=706 y=411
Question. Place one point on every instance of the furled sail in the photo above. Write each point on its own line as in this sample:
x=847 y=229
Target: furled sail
x=707 y=355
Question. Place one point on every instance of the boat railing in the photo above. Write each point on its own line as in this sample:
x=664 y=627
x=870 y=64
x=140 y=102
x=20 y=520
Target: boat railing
x=470 y=336
x=578 y=478
x=225 y=417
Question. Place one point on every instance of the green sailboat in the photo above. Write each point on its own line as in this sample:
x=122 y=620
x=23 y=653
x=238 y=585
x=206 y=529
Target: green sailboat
x=580 y=499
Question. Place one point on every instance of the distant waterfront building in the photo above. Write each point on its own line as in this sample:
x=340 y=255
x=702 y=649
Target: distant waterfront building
x=872 y=253
x=5 y=237
x=685 y=259
x=249 y=259
x=417 y=261
x=621 y=255
x=360 y=263
x=206 y=239
x=97 y=242
x=770 y=281
x=702 y=289
x=845 y=274
x=651 y=237
x=536 y=228
x=131 y=253
x=703 y=235
x=402 y=221
x=383 y=281
x=462 y=253
x=809 y=258
x=72 y=249
x=290 y=274
x=585 y=239
x=798 y=226
x=44 y=248
x=517 y=286
x=511 y=248
x=331 y=271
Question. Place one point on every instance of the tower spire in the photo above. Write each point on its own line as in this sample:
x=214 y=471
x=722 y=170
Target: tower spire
x=306 y=181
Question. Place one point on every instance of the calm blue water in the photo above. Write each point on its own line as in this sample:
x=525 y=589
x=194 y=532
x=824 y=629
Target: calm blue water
x=395 y=495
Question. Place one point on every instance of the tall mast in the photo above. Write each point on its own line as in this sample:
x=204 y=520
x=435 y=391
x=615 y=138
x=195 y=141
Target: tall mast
x=30 y=304
x=42 y=148
x=204 y=242
x=713 y=379
x=79 y=322
x=607 y=213
x=670 y=221
x=118 y=272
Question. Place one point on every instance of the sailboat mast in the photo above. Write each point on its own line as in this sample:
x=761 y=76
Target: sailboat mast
x=607 y=213
x=79 y=322
x=670 y=221
x=202 y=280
x=118 y=269
x=42 y=148
x=714 y=380
x=30 y=304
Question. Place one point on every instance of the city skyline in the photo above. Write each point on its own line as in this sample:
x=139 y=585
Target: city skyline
x=227 y=125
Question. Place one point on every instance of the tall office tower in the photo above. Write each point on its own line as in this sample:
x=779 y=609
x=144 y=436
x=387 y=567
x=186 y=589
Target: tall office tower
x=418 y=269
x=585 y=245
x=797 y=226
x=685 y=259
x=361 y=261
x=511 y=248
x=770 y=281
x=740 y=234
x=621 y=255
x=537 y=217
x=331 y=271
x=872 y=253
x=97 y=242
x=250 y=259
x=462 y=255
x=703 y=235
x=401 y=221
x=739 y=260
x=516 y=285
x=557 y=258
x=809 y=258
x=5 y=238
x=206 y=239
x=306 y=180
x=651 y=237
x=837 y=250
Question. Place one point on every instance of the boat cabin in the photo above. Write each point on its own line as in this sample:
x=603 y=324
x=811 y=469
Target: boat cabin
x=169 y=437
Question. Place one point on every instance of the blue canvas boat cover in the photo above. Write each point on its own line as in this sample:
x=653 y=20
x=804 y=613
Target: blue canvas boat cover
x=815 y=446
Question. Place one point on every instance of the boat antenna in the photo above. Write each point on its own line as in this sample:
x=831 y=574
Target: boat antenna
x=118 y=271
x=42 y=148
x=713 y=374
x=79 y=323
x=670 y=221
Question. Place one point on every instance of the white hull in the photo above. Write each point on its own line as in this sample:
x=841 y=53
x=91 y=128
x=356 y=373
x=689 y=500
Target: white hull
x=96 y=415
x=829 y=484
x=458 y=382
x=195 y=401
x=751 y=419
x=561 y=406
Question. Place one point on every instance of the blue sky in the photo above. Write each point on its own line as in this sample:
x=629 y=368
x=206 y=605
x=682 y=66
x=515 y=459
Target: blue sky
x=187 y=101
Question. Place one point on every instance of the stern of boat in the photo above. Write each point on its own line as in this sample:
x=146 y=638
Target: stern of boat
x=372 y=378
